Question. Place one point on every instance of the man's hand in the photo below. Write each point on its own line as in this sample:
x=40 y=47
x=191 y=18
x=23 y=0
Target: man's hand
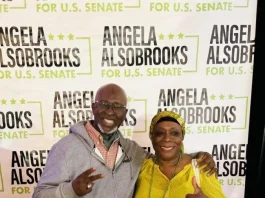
x=204 y=158
x=83 y=183
x=197 y=191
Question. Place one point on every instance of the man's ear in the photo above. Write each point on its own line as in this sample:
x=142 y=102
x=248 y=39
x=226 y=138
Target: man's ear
x=93 y=105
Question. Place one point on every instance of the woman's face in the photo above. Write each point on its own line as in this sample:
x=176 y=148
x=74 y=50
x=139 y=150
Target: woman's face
x=167 y=139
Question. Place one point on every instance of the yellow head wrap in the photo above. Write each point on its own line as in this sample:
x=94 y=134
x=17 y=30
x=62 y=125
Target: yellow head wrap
x=171 y=114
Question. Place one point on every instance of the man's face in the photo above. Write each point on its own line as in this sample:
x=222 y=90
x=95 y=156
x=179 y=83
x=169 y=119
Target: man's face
x=109 y=109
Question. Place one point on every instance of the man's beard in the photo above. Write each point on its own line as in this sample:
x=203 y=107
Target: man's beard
x=107 y=132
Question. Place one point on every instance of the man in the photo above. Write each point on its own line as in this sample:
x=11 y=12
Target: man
x=94 y=159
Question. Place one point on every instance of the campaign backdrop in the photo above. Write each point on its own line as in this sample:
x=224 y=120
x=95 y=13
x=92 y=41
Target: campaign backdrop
x=194 y=57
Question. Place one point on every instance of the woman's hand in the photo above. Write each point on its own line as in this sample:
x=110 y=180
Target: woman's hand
x=197 y=191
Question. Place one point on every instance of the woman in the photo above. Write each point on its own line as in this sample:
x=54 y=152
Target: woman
x=170 y=173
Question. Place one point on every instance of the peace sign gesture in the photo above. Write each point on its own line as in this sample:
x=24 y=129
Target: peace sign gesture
x=84 y=182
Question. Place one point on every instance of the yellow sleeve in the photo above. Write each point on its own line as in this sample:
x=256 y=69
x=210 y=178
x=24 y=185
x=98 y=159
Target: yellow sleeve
x=143 y=181
x=210 y=186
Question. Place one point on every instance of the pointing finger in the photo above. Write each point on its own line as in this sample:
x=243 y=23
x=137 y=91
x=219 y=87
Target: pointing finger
x=195 y=186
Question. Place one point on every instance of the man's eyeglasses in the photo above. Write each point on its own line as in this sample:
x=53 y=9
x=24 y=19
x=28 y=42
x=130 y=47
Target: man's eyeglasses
x=116 y=107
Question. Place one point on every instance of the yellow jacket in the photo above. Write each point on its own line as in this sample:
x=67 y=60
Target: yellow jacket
x=178 y=186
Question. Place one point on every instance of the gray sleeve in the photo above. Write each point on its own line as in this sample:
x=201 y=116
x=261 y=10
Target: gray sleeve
x=54 y=180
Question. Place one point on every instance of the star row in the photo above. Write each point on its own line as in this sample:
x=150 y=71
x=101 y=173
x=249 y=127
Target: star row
x=12 y=101
x=61 y=36
x=221 y=97
x=129 y=99
x=170 y=36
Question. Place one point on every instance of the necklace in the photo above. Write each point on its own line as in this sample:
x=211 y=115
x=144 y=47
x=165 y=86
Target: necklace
x=153 y=168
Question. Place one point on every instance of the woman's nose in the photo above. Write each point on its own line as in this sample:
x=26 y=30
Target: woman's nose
x=167 y=138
